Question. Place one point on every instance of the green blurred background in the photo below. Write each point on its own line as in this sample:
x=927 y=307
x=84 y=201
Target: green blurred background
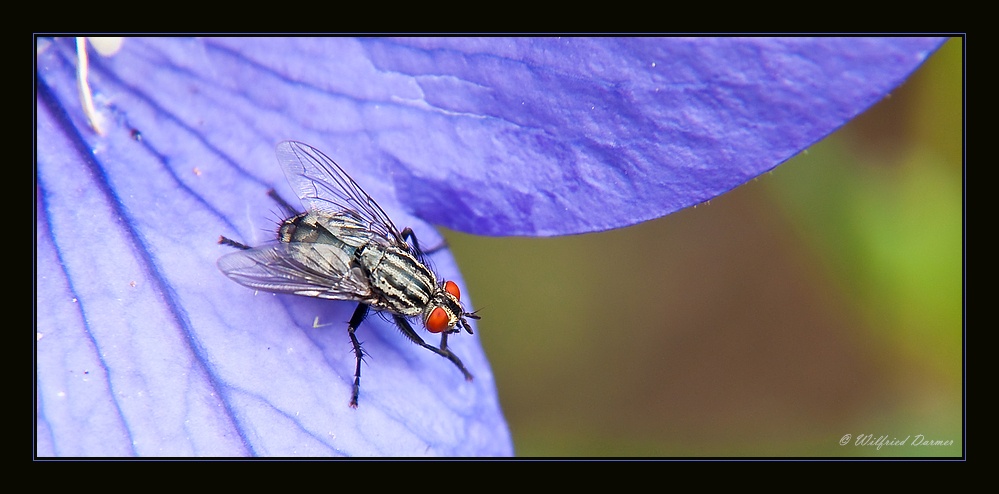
x=819 y=300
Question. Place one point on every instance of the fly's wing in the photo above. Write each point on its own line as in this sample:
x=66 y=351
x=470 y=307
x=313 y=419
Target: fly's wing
x=309 y=269
x=325 y=188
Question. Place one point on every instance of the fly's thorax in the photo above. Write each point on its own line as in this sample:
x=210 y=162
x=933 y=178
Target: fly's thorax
x=404 y=285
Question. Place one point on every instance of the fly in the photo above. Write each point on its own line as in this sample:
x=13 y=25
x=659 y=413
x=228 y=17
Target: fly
x=344 y=247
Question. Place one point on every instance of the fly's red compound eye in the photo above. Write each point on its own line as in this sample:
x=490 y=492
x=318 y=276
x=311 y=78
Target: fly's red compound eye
x=452 y=288
x=437 y=321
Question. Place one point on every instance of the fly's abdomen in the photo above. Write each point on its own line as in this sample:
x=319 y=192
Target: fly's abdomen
x=338 y=231
x=404 y=284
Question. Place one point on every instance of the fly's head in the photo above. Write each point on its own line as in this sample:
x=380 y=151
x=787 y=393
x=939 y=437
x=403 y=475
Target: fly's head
x=445 y=312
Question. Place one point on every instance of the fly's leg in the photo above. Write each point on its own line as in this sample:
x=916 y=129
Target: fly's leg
x=288 y=208
x=232 y=243
x=355 y=320
x=407 y=330
x=450 y=356
x=408 y=235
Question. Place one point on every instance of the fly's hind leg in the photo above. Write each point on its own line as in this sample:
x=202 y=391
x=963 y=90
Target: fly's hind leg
x=232 y=243
x=443 y=351
x=355 y=320
x=288 y=208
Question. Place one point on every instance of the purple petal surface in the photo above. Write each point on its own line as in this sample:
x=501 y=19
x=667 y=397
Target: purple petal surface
x=145 y=348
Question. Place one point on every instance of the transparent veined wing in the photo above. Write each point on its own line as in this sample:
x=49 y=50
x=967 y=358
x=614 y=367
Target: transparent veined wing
x=309 y=269
x=325 y=188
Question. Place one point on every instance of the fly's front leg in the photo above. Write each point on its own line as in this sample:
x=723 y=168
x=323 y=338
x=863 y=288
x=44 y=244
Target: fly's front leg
x=452 y=357
x=407 y=330
x=355 y=320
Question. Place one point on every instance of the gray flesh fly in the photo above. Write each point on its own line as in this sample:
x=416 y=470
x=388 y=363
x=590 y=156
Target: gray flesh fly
x=344 y=247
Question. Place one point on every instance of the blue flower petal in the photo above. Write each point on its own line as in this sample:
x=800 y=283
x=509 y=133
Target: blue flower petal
x=145 y=348
x=562 y=136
